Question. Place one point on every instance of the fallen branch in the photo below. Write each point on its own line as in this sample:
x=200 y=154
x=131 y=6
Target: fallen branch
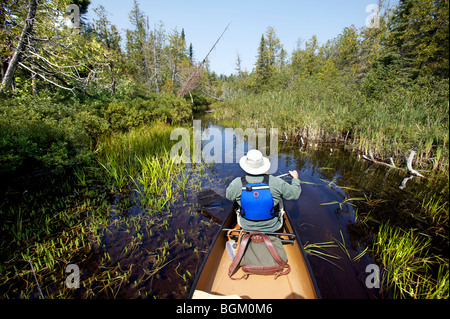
x=44 y=78
x=409 y=165
x=409 y=160
x=373 y=160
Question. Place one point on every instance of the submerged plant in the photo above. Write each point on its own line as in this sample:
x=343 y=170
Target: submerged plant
x=407 y=265
x=320 y=250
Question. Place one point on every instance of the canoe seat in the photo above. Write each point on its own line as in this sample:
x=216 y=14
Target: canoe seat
x=199 y=294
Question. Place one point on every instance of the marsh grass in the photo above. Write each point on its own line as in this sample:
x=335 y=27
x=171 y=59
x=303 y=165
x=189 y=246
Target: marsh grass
x=436 y=208
x=409 y=271
x=122 y=154
x=390 y=127
x=321 y=250
x=140 y=160
x=107 y=234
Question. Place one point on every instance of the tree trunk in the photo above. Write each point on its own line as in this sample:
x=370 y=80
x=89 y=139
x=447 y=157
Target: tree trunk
x=155 y=66
x=26 y=32
x=33 y=84
x=113 y=79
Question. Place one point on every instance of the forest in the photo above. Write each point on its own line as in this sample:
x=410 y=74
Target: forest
x=72 y=88
x=384 y=88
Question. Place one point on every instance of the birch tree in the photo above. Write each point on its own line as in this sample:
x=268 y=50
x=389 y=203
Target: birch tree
x=24 y=38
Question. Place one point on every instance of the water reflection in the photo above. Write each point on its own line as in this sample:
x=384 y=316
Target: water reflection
x=162 y=253
x=335 y=185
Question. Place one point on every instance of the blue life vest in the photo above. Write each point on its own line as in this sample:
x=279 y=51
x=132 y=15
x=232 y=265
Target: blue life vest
x=257 y=201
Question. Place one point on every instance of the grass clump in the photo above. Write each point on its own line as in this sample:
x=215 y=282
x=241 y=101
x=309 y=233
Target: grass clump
x=408 y=269
x=405 y=119
x=140 y=160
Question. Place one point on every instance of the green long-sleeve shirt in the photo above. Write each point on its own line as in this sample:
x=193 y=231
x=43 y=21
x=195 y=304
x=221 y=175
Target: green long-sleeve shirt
x=279 y=189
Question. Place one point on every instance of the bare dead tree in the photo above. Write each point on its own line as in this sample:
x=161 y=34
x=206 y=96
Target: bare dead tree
x=413 y=173
x=23 y=39
x=185 y=85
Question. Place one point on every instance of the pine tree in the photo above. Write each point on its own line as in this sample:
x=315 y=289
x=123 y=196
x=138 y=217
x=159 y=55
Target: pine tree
x=191 y=53
x=238 y=67
x=419 y=32
x=262 y=64
x=273 y=46
x=108 y=35
x=137 y=55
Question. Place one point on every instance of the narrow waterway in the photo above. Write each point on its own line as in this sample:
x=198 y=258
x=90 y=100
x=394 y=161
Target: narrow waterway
x=147 y=255
x=320 y=215
x=338 y=187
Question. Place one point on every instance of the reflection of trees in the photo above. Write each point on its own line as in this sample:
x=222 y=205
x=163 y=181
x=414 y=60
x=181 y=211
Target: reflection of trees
x=367 y=194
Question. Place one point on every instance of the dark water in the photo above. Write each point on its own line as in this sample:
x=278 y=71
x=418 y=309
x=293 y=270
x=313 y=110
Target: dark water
x=322 y=173
x=177 y=241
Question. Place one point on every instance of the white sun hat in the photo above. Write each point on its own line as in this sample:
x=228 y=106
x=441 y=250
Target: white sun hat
x=254 y=163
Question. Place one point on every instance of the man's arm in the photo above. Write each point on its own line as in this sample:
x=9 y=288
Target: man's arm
x=233 y=190
x=292 y=191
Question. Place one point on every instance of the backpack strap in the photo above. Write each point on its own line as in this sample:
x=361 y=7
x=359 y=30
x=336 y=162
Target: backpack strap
x=277 y=257
x=239 y=253
x=244 y=180
x=269 y=245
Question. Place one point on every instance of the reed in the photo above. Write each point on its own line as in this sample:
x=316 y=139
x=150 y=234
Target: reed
x=408 y=266
x=436 y=209
x=118 y=154
x=321 y=250
x=390 y=127
x=156 y=180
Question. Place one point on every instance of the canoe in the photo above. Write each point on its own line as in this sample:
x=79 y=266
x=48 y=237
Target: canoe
x=212 y=280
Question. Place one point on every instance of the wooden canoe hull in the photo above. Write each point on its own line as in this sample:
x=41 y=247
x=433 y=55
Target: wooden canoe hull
x=213 y=275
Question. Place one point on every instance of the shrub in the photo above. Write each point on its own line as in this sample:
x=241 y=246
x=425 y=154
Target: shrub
x=128 y=113
x=36 y=133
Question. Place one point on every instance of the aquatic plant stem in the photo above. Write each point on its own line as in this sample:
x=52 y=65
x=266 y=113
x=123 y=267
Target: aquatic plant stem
x=35 y=278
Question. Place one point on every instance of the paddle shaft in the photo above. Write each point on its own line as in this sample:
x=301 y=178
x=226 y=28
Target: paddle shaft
x=212 y=196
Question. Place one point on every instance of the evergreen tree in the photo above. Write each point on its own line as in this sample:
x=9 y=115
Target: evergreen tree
x=273 y=47
x=137 y=55
x=110 y=37
x=419 y=33
x=262 y=64
x=191 y=53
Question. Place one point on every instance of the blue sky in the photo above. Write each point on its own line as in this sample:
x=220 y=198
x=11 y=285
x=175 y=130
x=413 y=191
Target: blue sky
x=204 y=20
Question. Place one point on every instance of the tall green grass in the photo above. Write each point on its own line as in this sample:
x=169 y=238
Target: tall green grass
x=140 y=160
x=407 y=120
x=408 y=266
x=119 y=153
x=156 y=181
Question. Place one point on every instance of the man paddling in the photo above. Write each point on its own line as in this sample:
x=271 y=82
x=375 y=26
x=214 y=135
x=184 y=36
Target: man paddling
x=259 y=195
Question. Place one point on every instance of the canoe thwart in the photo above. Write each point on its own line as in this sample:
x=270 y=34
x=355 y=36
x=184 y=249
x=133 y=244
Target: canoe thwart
x=284 y=241
x=266 y=233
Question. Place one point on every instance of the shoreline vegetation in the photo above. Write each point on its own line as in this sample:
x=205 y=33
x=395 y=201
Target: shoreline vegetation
x=306 y=113
x=85 y=126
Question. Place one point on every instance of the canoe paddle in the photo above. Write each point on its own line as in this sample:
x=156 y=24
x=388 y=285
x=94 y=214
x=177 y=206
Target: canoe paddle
x=208 y=197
